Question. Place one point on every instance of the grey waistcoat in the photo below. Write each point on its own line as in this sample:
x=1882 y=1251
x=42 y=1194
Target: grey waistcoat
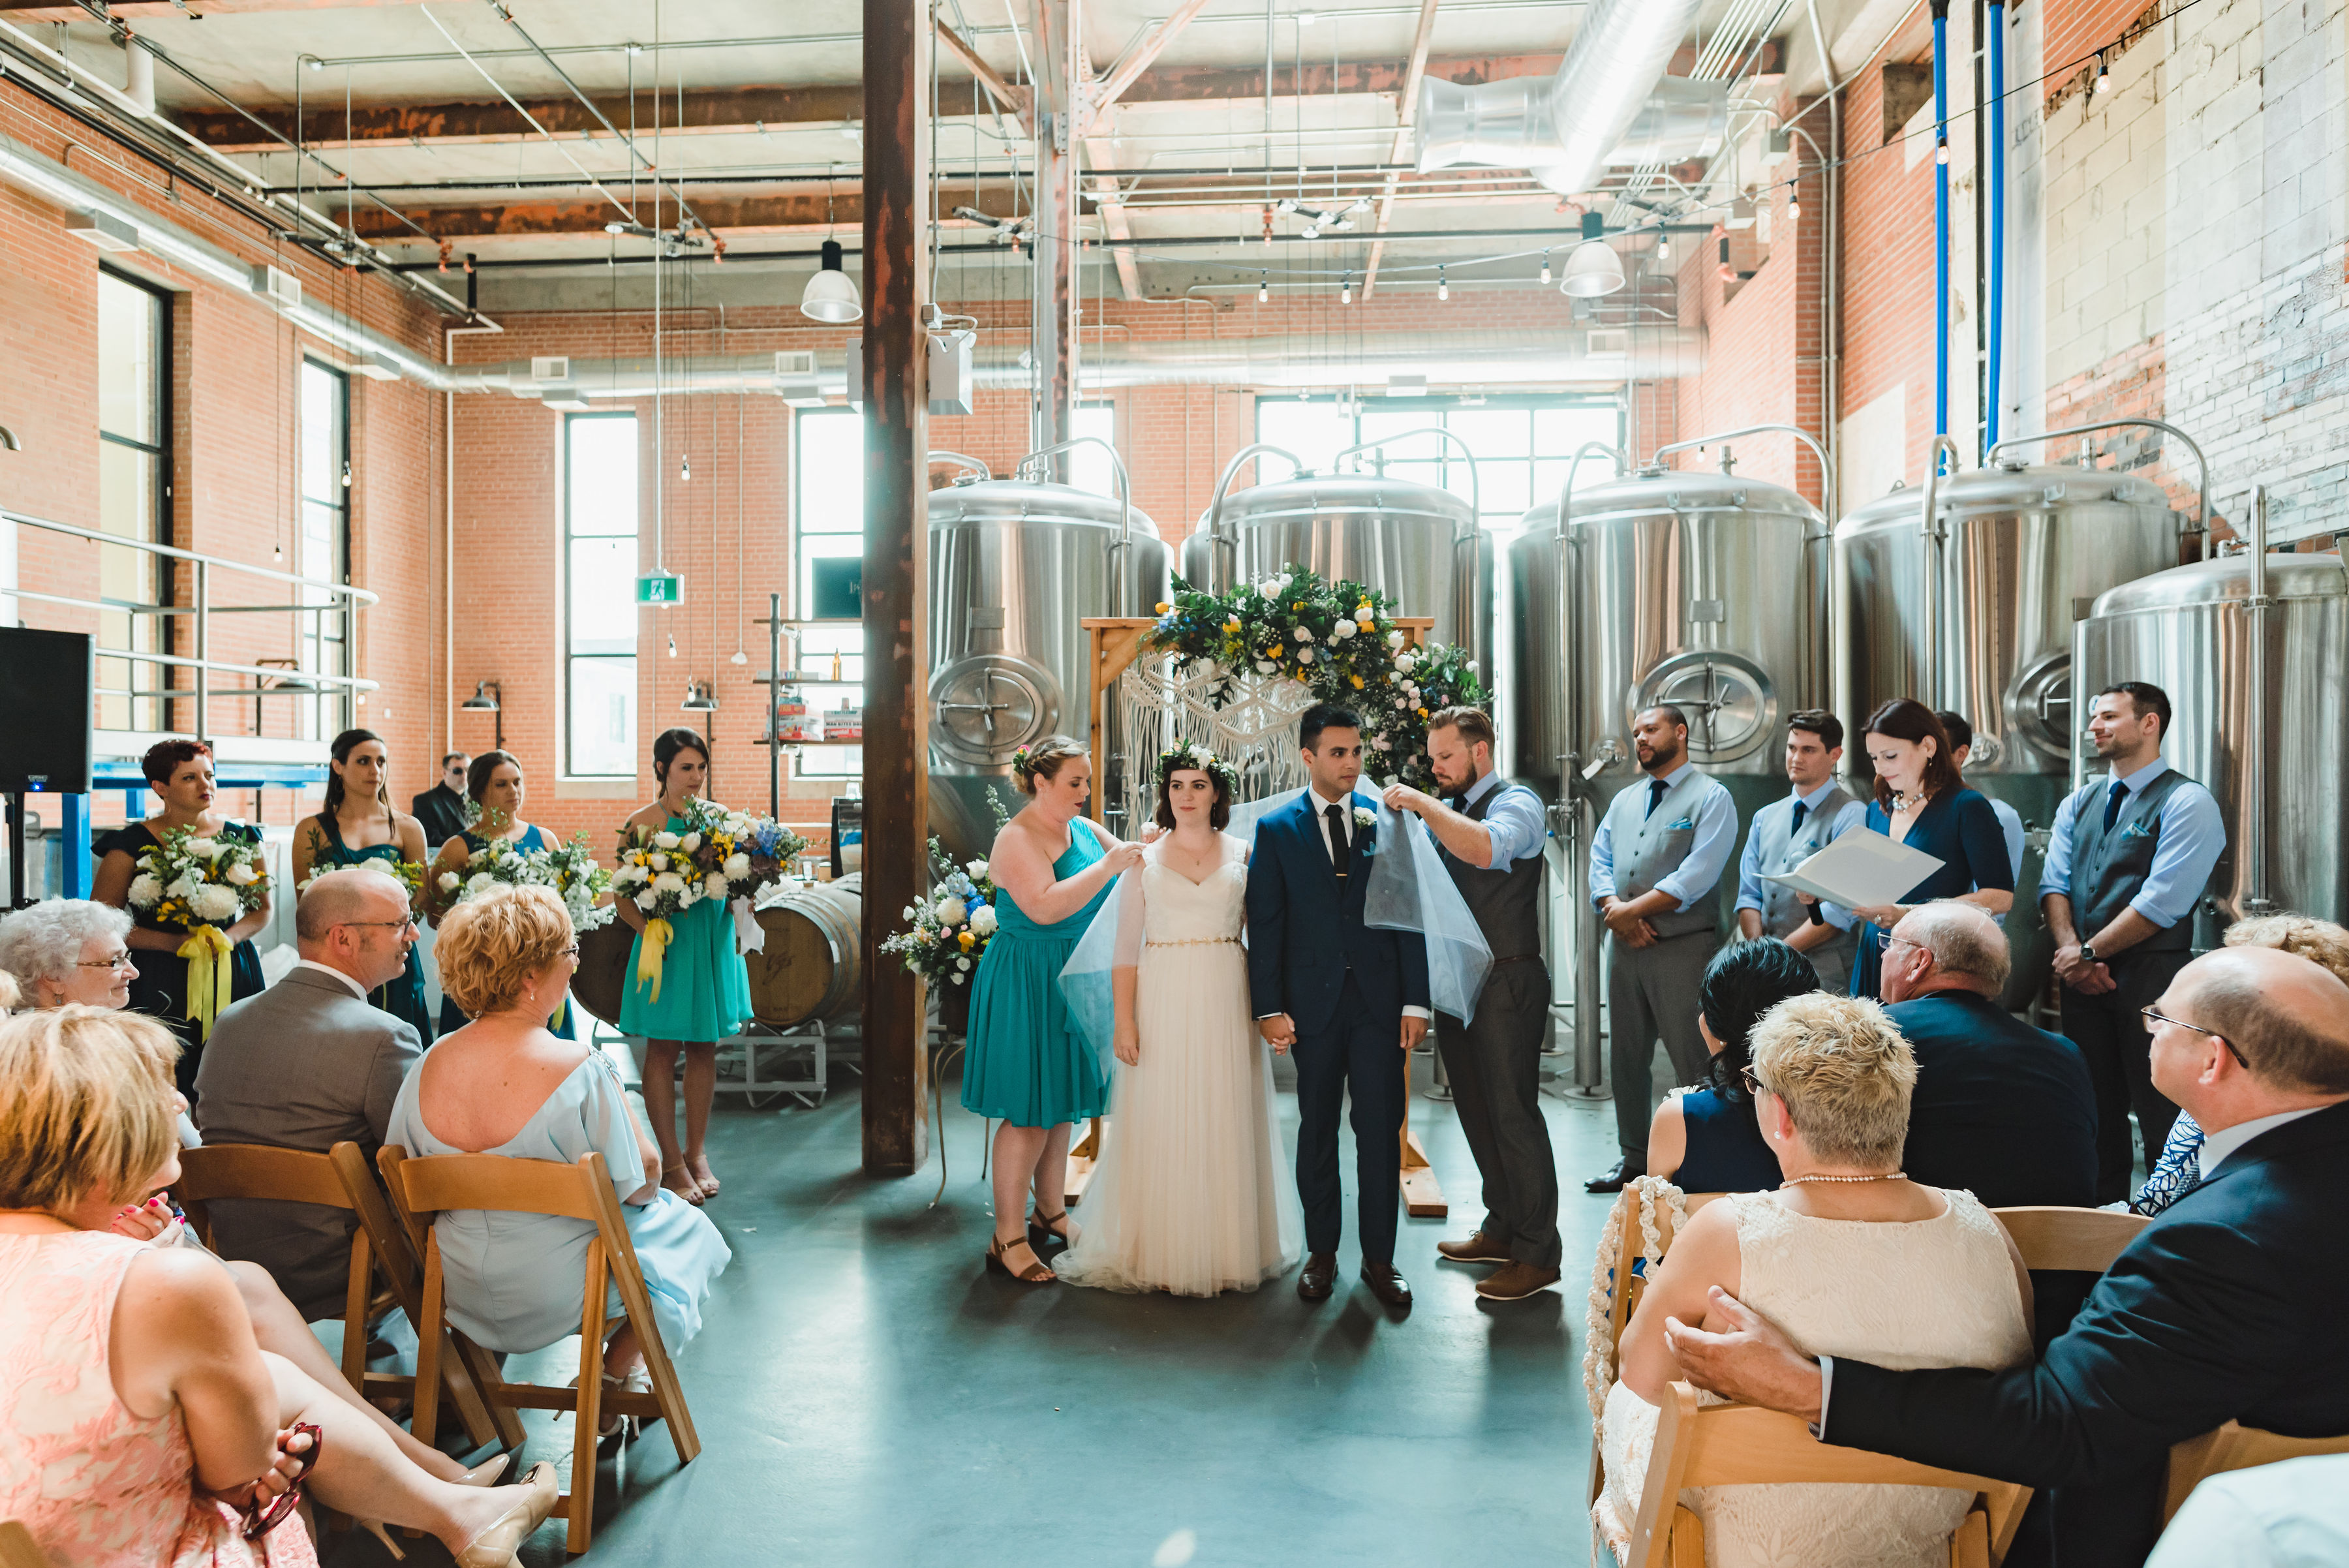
x=2108 y=868
x=1506 y=901
x=1648 y=849
x=1781 y=847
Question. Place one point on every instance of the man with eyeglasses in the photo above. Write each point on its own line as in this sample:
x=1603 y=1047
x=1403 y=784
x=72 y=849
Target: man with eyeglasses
x=2226 y=1307
x=2127 y=859
x=307 y=1064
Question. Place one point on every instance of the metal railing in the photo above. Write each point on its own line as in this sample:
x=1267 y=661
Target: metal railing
x=269 y=678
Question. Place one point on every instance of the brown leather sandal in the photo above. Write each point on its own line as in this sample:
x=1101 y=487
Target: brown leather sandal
x=1043 y=1230
x=1035 y=1273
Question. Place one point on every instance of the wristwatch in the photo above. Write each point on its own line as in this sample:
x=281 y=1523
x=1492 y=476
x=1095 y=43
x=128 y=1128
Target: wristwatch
x=2088 y=953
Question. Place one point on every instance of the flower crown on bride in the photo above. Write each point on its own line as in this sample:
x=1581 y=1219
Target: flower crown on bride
x=1195 y=756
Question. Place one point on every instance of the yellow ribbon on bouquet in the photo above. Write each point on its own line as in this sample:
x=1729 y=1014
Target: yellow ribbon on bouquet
x=657 y=935
x=211 y=983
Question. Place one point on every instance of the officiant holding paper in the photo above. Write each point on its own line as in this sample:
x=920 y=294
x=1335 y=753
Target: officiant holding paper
x=1922 y=802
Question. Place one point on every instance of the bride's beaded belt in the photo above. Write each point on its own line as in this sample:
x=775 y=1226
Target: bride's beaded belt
x=1198 y=942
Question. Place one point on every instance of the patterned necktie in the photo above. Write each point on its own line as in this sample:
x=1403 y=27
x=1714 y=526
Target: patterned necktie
x=1656 y=788
x=2177 y=1172
x=1338 y=856
x=2113 y=804
x=1801 y=811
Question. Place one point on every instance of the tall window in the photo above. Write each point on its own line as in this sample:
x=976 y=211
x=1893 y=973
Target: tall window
x=325 y=546
x=1523 y=445
x=133 y=499
x=599 y=595
x=828 y=526
x=1088 y=466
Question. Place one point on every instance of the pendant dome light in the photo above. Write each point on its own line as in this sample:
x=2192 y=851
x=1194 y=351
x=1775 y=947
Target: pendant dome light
x=831 y=294
x=1594 y=268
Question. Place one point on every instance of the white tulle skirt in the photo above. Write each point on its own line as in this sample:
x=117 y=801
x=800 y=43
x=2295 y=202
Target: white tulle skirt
x=1194 y=1194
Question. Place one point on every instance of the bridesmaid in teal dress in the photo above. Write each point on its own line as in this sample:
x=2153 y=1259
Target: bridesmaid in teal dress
x=493 y=783
x=705 y=988
x=1027 y=1061
x=358 y=826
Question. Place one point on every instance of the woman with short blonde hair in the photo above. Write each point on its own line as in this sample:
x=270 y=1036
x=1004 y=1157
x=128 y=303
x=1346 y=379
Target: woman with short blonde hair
x=139 y=1423
x=504 y=1084
x=1848 y=1256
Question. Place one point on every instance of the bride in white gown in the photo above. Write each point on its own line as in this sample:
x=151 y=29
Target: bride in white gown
x=1193 y=1195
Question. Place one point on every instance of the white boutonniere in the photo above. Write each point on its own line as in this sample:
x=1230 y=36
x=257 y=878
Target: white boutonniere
x=1365 y=818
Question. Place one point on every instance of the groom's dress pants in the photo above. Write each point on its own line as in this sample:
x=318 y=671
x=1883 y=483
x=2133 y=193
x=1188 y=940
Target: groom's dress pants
x=1362 y=1051
x=1494 y=1063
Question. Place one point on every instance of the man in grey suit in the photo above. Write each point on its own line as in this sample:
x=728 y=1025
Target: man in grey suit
x=1654 y=863
x=1490 y=833
x=305 y=1064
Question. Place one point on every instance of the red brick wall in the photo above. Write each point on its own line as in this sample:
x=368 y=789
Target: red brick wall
x=1887 y=281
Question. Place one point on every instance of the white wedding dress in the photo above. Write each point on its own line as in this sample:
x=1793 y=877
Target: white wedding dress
x=1931 y=1292
x=1193 y=1194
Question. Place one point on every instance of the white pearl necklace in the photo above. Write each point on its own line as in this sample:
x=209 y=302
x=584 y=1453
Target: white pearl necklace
x=1801 y=1181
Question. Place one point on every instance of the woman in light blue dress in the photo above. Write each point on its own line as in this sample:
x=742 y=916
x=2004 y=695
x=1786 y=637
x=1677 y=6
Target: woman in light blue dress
x=494 y=782
x=504 y=1084
x=704 y=991
x=1027 y=1061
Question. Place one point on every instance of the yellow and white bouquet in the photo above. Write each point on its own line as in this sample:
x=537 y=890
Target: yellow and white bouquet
x=204 y=884
x=499 y=861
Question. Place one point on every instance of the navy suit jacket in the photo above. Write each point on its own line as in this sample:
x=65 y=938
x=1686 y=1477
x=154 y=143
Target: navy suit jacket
x=2001 y=1109
x=2226 y=1307
x=1306 y=930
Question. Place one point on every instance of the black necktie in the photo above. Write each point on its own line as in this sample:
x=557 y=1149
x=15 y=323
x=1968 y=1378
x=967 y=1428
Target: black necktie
x=2113 y=804
x=1656 y=788
x=1459 y=803
x=1801 y=811
x=1338 y=854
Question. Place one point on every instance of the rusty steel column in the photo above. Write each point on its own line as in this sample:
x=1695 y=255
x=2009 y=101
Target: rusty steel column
x=1052 y=321
x=897 y=518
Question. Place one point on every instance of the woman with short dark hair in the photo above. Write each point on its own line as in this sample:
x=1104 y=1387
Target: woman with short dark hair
x=1706 y=1138
x=1922 y=802
x=180 y=771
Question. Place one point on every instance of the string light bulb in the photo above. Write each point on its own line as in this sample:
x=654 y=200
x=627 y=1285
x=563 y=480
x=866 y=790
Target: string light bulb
x=672 y=644
x=1664 y=247
x=1263 y=290
x=347 y=474
x=1346 y=290
x=1545 y=269
x=2103 y=73
x=1442 y=288
x=685 y=468
x=1795 y=202
x=1941 y=150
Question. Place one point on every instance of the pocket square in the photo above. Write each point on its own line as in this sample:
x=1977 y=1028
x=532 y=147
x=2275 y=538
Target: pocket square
x=2137 y=830
x=1684 y=825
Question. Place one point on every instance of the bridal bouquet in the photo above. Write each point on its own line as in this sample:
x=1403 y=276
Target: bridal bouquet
x=571 y=869
x=947 y=934
x=202 y=884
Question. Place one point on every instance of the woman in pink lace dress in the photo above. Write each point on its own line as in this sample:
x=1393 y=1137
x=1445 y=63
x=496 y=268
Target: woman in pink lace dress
x=139 y=1422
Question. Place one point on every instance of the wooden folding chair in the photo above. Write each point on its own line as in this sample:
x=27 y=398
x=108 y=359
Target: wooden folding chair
x=1738 y=1445
x=422 y=1188
x=337 y=1179
x=1630 y=1282
x=2076 y=1241
x=2234 y=1446
x=18 y=1548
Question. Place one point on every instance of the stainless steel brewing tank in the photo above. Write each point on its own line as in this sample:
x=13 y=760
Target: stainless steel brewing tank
x=1702 y=589
x=1013 y=566
x=2024 y=552
x=1417 y=545
x=2188 y=631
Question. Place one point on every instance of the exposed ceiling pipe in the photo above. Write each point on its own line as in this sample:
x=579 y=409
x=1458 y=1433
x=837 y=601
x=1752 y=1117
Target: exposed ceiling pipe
x=1567 y=128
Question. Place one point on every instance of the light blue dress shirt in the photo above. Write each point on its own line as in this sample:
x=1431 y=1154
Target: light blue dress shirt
x=2011 y=821
x=2192 y=838
x=1715 y=817
x=1749 y=864
x=2294 y=1515
x=1514 y=823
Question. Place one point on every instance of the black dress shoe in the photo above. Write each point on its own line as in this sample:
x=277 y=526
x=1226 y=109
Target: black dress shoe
x=1390 y=1288
x=1626 y=1171
x=1320 y=1274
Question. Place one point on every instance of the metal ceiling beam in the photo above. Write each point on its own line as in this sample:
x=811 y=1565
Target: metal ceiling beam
x=130 y=10
x=1406 y=110
x=806 y=212
x=1104 y=96
x=1011 y=97
x=743 y=110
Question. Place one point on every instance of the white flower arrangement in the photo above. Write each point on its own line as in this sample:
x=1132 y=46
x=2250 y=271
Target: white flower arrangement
x=190 y=880
x=1365 y=818
x=146 y=891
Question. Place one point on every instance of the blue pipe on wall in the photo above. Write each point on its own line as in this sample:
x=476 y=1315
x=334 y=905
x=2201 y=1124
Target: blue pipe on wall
x=1995 y=44
x=1940 y=220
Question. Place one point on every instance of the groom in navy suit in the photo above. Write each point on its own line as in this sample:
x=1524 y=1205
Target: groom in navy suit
x=1350 y=999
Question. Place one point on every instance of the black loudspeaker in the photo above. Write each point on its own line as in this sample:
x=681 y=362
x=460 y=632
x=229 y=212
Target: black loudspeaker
x=47 y=710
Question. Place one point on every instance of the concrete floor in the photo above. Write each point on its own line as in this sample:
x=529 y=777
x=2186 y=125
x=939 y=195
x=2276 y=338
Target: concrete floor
x=866 y=1395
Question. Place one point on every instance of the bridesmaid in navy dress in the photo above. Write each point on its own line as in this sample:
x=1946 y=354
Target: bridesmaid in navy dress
x=494 y=783
x=1922 y=802
x=180 y=775
x=356 y=826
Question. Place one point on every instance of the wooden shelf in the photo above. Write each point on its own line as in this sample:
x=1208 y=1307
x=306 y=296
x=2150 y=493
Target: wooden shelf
x=764 y=679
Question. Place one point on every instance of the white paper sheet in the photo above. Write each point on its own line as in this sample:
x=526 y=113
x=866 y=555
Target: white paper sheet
x=1861 y=870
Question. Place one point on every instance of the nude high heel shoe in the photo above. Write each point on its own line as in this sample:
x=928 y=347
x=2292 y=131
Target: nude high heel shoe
x=484 y=1474
x=494 y=1547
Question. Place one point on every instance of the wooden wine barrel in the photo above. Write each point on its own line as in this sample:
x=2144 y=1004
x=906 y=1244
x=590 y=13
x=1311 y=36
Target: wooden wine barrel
x=603 y=978
x=812 y=967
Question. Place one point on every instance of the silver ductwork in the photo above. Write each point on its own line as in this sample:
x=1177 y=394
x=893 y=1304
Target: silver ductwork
x=1608 y=103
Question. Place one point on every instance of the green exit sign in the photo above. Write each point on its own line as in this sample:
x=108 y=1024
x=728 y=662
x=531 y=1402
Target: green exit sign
x=660 y=588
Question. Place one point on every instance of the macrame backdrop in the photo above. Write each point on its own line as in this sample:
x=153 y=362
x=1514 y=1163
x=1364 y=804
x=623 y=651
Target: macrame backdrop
x=1256 y=732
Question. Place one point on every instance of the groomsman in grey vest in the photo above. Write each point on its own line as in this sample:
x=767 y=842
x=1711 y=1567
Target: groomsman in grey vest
x=2129 y=857
x=1490 y=833
x=1655 y=861
x=1785 y=834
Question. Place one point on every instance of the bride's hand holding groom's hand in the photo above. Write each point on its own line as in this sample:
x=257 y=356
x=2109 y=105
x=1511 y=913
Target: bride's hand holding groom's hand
x=1280 y=1031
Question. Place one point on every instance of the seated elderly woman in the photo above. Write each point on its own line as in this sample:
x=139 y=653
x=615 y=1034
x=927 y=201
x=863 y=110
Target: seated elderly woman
x=1708 y=1138
x=139 y=1423
x=1849 y=1258
x=504 y=1084
x=72 y=950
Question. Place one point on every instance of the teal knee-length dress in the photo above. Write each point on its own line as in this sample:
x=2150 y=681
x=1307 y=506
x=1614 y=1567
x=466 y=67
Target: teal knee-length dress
x=705 y=991
x=1027 y=1061
x=402 y=997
